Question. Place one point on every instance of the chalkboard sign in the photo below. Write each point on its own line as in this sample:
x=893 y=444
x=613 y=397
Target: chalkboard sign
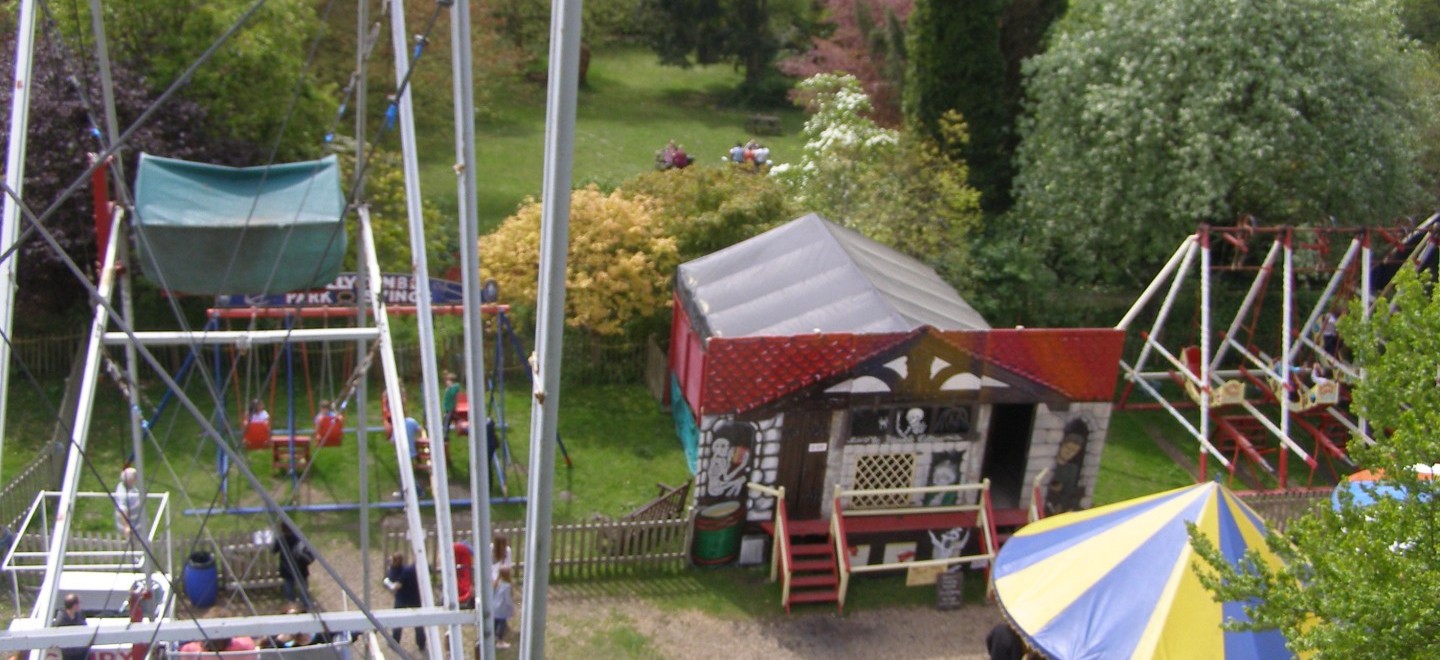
x=949 y=591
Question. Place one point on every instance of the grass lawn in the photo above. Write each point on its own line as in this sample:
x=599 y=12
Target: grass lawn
x=1132 y=465
x=627 y=111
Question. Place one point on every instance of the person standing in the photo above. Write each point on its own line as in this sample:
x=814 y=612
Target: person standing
x=762 y=157
x=295 y=559
x=737 y=154
x=72 y=616
x=504 y=607
x=129 y=505
x=402 y=580
x=449 y=401
x=499 y=555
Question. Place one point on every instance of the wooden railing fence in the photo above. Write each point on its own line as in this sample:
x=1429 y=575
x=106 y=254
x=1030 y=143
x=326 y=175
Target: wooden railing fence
x=43 y=473
x=591 y=549
x=1278 y=508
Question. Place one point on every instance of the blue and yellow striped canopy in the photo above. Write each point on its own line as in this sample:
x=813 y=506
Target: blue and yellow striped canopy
x=1118 y=581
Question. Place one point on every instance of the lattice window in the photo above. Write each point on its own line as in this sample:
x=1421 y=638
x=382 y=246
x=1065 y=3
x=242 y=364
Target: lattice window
x=883 y=471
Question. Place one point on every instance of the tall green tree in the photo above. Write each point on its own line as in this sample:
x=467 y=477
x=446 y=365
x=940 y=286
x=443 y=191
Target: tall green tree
x=247 y=88
x=747 y=33
x=1364 y=582
x=956 y=64
x=1151 y=116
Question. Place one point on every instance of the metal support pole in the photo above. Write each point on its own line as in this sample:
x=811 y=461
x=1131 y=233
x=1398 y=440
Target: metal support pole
x=1204 y=331
x=1165 y=307
x=1155 y=283
x=65 y=507
x=1261 y=277
x=402 y=444
x=1287 y=308
x=440 y=482
x=362 y=347
x=462 y=66
x=550 y=314
x=15 y=179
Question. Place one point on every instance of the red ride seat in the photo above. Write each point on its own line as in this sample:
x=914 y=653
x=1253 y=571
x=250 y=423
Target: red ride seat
x=257 y=434
x=330 y=430
x=460 y=417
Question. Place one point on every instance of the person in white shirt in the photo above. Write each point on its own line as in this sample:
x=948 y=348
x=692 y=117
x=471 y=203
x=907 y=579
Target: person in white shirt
x=129 y=506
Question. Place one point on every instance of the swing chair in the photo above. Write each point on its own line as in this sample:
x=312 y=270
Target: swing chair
x=1229 y=393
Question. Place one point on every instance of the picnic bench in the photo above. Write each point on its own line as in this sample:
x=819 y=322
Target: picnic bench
x=763 y=125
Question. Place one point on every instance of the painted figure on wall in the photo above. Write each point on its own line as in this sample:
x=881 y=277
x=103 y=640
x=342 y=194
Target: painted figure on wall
x=729 y=463
x=949 y=545
x=944 y=471
x=1065 y=490
x=910 y=422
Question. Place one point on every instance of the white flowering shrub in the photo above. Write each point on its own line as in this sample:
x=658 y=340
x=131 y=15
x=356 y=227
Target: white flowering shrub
x=841 y=144
x=896 y=188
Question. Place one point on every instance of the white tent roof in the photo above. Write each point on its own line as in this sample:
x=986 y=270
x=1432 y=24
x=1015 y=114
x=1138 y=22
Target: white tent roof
x=811 y=275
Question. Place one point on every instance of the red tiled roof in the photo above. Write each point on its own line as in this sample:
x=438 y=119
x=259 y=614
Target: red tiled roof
x=747 y=372
x=1080 y=363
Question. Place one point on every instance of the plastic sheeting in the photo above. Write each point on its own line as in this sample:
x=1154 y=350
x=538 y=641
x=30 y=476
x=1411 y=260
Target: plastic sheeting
x=811 y=275
x=1119 y=581
x=210 y=229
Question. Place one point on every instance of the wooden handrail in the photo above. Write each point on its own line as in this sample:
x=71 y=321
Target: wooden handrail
x=842 y=547
x=1037 y=497
x=990 y=548
x=782 y=548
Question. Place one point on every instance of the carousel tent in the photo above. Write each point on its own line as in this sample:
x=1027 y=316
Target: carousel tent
x=1118 y=581
x=818 y=277
x=210 y=229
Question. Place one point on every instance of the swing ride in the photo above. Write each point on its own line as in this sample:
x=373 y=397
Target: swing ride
x=278 y=229
x=1271 y=386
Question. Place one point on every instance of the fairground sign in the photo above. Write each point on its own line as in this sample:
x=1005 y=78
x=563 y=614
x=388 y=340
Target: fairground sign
x=396 y=289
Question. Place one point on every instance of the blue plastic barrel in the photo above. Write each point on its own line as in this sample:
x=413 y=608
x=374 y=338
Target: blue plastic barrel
x=202 y=580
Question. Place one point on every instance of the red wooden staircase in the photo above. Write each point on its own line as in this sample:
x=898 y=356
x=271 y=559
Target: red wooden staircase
x=814 y=575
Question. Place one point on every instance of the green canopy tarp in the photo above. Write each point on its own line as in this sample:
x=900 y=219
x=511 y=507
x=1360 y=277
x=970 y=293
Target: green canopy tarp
x=210 y=229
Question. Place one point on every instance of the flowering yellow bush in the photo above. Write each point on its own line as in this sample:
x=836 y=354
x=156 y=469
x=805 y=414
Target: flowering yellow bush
x=619 y=266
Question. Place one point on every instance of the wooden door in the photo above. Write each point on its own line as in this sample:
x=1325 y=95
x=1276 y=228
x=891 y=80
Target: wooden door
x=804 y=451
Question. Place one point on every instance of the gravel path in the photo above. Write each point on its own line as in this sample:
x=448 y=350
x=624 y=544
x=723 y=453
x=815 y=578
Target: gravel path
x=576 y=614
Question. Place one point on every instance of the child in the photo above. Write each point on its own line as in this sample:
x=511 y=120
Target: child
x=504 y=607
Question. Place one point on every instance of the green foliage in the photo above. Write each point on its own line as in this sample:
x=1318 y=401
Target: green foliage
x=385 y=193
x=619 y=266
x=710 y=208
x=526 y=23
x=1364 y=582
x=747 y=33
x=1151 y=116
x=955 y=63
x=897 y=188
x=248 y=86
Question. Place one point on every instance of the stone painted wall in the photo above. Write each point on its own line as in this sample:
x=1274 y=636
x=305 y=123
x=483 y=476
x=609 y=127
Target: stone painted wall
x=1075 y=470
x=735 y=452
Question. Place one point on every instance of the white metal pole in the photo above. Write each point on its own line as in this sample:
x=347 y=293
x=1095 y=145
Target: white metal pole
x=1164 y=313
x=1155 y=283
x=429 y=383
x=1205 y=331
x=1322 y=305
x=550 y=313
x=1261 y=277
x=15 y=179
x=398 y=437
x=362 y=347
x=1287 y=308
x=65 y=508
x=461 y=56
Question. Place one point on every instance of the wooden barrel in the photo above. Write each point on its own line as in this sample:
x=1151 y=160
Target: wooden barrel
x=717 y=533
